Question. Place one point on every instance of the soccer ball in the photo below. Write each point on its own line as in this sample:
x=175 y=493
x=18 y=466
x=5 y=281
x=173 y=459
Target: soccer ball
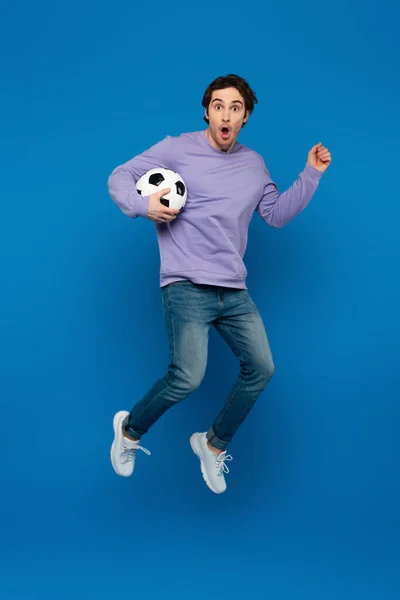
x=158 y=179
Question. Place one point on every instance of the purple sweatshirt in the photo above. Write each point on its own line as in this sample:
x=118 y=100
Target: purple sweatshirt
x=206 y=243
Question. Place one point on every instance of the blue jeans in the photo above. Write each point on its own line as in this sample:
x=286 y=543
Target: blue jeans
x=190 y=309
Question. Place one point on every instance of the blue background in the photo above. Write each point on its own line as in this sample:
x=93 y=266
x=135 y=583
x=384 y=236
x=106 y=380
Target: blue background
x=311 y=509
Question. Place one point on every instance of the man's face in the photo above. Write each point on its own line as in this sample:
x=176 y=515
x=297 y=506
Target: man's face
x=226 y=114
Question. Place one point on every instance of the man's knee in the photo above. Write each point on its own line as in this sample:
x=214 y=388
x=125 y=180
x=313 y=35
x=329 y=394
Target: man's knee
x=193 y=380
x=263 y=370
x=187 y=381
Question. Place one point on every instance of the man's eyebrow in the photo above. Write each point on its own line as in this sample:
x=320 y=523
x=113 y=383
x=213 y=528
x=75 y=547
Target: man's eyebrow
x=233 y=101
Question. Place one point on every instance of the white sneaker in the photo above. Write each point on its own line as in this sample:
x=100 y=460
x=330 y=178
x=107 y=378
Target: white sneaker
x=212 y=466
x=123 y=450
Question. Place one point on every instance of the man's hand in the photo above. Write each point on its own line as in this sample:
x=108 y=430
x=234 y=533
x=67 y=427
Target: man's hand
x=319 y=157
x=159 y=213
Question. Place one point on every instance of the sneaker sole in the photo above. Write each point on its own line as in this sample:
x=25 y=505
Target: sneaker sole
x=116 y=420
x=196 y=450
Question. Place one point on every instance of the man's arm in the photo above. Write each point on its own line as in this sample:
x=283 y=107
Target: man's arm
x=122 y=181
x=278 y=209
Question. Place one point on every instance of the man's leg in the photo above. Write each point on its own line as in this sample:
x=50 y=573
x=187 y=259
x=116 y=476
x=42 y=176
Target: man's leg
x=189 y=311
x=241 y=326
x=187 y=330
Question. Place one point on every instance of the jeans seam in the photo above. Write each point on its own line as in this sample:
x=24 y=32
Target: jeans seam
x=225 y=410
x=172 y=326
x=173 y=354
x=236 y=342
x=148 y=405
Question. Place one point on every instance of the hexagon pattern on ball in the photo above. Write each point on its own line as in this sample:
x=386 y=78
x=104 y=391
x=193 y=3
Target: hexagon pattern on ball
x=156 y=179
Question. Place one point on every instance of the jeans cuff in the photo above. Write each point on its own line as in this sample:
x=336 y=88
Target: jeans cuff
x=216 y=442
x=128 y=429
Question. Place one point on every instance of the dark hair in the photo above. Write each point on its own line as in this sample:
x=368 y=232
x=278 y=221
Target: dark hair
x=228 y=81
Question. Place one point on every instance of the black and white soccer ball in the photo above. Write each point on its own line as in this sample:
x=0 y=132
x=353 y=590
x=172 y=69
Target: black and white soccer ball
x=158 y=179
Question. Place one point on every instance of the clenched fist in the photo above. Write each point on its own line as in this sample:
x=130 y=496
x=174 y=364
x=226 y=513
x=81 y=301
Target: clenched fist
x=159 y=213
x=319 y=157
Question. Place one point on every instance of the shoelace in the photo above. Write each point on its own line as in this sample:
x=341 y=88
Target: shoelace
x=220 y=464
x=129 y=453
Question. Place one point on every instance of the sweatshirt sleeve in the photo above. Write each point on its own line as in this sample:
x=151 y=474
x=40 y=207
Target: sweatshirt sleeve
x=278 y=209
x=122 y=181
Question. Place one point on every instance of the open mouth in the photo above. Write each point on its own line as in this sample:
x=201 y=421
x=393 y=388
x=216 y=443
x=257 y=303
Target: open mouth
x=225 y=131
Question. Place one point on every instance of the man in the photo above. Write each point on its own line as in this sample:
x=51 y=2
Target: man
x=202 y=275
